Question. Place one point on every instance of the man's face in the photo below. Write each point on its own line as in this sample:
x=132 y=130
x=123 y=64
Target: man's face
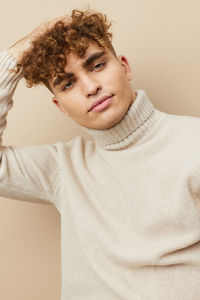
x=98 y=76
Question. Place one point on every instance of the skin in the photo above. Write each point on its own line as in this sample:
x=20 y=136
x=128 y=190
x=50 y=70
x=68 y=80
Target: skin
x=107 y=75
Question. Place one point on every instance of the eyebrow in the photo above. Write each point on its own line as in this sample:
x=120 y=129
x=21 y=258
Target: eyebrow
x=85 y=64
x=92 y=58
x=60 y=79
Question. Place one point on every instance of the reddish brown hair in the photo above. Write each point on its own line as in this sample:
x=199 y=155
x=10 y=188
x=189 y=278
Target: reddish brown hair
x=47 y=56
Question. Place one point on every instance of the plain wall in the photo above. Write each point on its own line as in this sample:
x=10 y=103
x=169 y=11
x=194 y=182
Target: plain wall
x=162 y=42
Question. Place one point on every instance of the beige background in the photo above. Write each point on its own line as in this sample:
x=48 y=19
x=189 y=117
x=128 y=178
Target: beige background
x=162 y=42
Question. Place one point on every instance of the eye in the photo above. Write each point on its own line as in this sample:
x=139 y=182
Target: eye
x=68 y=85
x=98 y=66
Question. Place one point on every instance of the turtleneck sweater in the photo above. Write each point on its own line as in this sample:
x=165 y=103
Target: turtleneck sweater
x=128 y=200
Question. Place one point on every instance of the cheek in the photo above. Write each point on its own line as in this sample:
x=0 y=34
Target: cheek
x=73 y=104
x=66 y=104
x=118 y=82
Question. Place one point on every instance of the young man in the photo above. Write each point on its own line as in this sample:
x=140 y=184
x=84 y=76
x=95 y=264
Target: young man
x=128 y=199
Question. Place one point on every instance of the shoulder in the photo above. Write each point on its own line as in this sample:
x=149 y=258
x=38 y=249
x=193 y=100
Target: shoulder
x=182 y=130
x=183 y=123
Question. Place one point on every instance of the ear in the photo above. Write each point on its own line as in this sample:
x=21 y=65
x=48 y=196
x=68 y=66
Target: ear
x=126 y=66
x=60 y=107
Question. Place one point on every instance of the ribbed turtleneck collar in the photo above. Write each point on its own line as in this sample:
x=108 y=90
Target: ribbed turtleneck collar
x=140 y=117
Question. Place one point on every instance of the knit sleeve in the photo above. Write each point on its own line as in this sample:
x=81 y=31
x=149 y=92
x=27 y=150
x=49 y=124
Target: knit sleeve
x=28 y=173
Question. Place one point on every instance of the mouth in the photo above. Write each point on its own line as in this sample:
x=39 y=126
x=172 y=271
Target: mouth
x=101 y=103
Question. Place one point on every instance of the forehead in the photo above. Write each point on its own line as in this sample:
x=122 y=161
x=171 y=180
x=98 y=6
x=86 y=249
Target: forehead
x=73 y=58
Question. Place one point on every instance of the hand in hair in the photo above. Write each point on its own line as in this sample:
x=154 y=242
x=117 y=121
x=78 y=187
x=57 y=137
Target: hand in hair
x=25 y=44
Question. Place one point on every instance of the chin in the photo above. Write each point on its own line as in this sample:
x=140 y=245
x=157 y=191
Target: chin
x=112 y=121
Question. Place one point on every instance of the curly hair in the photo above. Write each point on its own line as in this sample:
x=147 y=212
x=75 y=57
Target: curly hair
x=47 y=56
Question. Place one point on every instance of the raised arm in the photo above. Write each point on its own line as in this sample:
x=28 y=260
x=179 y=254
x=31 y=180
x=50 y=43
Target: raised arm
x=29 y=173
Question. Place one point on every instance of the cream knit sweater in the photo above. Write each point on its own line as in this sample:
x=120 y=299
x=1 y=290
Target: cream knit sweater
x=129 y=201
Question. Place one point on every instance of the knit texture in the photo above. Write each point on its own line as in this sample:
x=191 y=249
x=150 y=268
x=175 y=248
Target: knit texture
x=128 y=200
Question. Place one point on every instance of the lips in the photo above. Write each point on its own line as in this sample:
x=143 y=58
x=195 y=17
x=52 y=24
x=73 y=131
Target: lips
x=102 y=99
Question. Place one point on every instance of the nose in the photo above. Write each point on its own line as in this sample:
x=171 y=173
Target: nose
x=90 y=85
